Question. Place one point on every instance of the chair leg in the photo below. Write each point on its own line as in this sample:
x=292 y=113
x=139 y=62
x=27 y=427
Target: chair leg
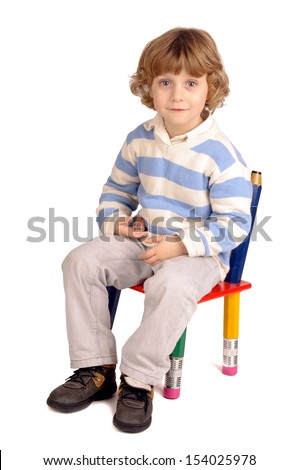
x=113 y=295
x=231 y=334
x=173 y=377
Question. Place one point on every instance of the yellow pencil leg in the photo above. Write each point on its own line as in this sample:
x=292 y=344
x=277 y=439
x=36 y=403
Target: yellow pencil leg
x=231 y=333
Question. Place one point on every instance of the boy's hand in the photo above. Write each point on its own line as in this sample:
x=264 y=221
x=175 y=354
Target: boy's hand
x=131 y=227
x=167 y=247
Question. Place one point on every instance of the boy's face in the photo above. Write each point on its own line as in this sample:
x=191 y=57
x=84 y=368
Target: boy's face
x=179 y=99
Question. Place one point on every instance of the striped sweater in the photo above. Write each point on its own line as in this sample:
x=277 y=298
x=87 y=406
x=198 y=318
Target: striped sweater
x=196 y=186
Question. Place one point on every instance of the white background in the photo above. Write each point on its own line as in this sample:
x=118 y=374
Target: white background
x=65 y=110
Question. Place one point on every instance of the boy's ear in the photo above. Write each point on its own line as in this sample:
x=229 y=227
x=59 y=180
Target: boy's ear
x=205 y=113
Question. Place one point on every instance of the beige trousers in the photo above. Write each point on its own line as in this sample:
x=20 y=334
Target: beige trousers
x=172 y=289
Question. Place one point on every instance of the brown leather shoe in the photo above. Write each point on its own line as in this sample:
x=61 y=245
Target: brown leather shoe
x=134 y=406
x=82 y=388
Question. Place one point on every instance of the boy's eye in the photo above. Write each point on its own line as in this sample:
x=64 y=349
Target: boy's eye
x=165 y=82
x=191 y=83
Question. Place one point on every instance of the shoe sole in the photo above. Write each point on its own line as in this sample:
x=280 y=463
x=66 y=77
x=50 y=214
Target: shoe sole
x=64 y=408
x=131 y=428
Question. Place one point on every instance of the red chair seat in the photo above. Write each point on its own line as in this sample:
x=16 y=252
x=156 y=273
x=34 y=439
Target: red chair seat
x=220 y=290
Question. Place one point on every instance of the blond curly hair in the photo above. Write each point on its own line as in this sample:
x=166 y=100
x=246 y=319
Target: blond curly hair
x=191 y=49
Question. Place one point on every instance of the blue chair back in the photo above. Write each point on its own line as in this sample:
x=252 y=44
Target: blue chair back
x=238 y=255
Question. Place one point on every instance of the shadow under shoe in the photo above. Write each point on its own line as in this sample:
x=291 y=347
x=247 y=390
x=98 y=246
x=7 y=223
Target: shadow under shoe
x=82 y=388
x=134 y=407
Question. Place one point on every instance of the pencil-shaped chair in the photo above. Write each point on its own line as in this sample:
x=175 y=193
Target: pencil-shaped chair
x=230 y=289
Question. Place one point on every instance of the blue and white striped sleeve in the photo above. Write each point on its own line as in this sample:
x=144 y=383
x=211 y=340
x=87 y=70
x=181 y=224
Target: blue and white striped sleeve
x=229 y=221
x=119 y=194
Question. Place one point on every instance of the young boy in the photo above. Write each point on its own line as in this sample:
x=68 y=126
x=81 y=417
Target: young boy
x=194 y=191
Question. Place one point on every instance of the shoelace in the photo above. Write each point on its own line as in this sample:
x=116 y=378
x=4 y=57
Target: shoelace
x=79 y=374
x=135 y=394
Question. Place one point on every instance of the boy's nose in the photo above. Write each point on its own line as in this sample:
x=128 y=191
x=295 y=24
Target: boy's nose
x=177 y=94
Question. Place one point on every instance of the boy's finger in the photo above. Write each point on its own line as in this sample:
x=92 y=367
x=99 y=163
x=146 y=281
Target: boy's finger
x=147 y=254
x=139 y=234
x=155 y=239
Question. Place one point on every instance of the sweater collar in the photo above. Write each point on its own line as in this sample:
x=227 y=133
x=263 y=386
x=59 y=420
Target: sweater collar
x=157 y=124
